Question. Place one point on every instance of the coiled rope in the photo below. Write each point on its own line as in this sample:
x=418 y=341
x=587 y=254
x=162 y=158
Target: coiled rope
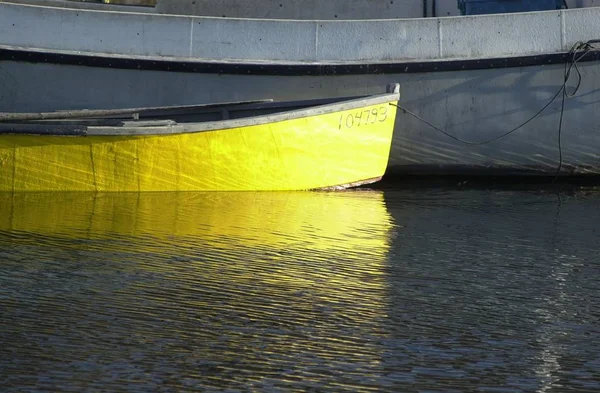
x=575 y=55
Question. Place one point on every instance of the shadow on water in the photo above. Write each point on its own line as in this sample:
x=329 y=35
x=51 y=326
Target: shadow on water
x=464 y=287
x=493 y=287
x=500 y=181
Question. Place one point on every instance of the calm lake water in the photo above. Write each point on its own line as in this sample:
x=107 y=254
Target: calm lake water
x=397 y=289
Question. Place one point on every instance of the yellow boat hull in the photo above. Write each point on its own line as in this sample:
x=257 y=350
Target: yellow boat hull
x=327 y=150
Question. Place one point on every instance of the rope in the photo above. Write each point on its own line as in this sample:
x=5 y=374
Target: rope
x=575 y=55
x=586 y=47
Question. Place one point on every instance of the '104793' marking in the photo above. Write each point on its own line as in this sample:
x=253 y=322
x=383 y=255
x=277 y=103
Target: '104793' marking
x=363 y=117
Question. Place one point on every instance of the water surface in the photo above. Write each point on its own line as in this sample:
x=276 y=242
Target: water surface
x=416 y=289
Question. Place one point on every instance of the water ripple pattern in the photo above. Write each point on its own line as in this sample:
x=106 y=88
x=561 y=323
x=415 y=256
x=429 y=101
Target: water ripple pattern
x=172 y=292
x=393 y=290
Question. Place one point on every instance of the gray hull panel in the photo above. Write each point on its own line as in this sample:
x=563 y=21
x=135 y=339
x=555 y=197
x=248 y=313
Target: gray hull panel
x=473 y=105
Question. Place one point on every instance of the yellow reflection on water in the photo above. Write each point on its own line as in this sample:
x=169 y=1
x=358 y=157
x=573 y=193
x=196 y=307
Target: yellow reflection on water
x=317 y=220
x=340 y=225
x=262 y=280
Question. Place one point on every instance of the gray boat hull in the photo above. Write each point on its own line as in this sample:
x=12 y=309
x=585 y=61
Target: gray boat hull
x=475 y=105
x=475 y=77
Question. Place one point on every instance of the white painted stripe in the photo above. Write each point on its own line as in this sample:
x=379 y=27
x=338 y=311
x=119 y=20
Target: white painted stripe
x=563 y=31
x=440 y=40
x=191 y=37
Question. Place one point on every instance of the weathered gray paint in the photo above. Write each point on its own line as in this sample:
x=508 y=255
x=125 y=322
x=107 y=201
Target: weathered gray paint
x=377 y=41
x=151 y=35
x=236 y=39
x=488 y=35
x=308 y=112
x=318 y=9
x=88 y=113
x=294 y=9
x=290 y=9
x=247 y=114
x=86 y=5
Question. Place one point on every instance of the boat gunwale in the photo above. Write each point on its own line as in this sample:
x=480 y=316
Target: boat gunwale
x=187 y=45
x=279 y=67
x=75 y=130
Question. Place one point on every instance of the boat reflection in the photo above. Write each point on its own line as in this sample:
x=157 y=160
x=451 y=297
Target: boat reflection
x=316 y=220
x=221 y=289
x=296 y=237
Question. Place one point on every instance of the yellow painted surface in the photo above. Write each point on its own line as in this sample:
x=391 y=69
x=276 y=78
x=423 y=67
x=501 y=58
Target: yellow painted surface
x=313 y=152
x=308 y=220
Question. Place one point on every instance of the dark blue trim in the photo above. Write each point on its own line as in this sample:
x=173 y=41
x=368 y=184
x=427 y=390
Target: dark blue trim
x=411 y=67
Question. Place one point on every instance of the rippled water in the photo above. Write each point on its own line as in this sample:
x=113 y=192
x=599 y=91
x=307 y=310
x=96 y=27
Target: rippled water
x=416 y=289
